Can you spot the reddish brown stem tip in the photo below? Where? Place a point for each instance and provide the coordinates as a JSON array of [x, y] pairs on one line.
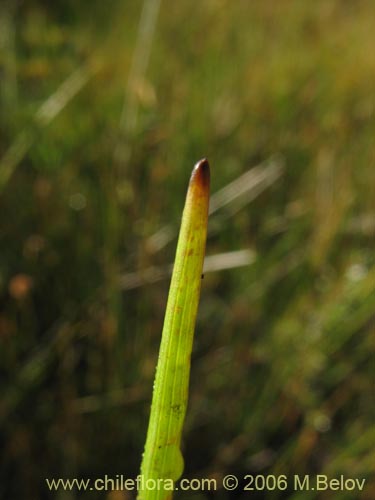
[[201, 175]]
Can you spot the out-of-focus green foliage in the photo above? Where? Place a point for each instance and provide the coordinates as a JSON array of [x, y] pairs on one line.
[[102, 115]]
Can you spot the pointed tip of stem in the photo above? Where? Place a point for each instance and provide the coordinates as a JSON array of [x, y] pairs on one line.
[[201, 174]]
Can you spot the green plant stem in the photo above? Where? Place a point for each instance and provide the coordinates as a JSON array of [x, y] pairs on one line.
[[162, 459]]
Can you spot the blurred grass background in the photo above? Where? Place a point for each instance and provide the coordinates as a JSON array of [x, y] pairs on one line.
[[105, 107]]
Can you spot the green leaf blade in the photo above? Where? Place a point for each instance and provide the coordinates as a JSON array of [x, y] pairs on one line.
[[162, 458]]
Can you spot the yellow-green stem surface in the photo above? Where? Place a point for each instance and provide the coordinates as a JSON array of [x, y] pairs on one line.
[[162, 458]]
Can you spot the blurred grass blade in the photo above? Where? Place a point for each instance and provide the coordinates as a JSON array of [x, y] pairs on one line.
[[162, 458], [212, 263], [139, 63], [235, 195], [46, 113], [249, 185]]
